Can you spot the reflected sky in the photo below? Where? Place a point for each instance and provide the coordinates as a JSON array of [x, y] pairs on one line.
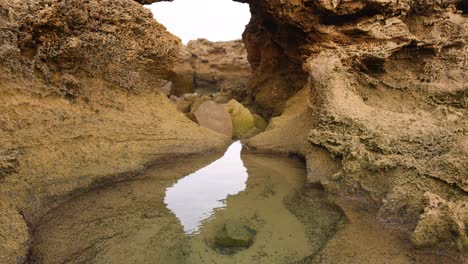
[[194, 198]]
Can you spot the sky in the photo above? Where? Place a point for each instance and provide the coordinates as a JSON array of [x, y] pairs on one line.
[[215, 20]]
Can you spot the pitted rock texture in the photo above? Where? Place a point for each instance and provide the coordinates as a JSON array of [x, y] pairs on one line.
[[80, 105], [385, 94], [207, 67]]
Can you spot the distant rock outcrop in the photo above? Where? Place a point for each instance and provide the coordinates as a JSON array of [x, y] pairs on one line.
[[207, 67]]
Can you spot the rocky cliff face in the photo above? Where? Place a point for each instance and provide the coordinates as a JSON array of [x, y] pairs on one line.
[[383, 92], [80, 105], [207, 67], [373, 93]]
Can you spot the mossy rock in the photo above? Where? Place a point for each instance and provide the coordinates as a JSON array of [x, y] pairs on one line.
[[234, 235], [260, 123], [243, 122]]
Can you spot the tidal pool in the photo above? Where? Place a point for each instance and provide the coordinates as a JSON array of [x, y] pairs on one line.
[[194, 198], [176, 211]]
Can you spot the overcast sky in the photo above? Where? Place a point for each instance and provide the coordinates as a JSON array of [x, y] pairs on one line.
[[215, 20]]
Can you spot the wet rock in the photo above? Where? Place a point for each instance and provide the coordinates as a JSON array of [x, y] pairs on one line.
[[243, 122], [234, 235], [215, 117]]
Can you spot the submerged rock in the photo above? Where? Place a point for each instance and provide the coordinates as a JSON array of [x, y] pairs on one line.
[[234, 235]]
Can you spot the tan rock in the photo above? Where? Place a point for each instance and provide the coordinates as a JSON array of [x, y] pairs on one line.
[[383, 92], [80, 106], [166, 88], [439, 221], [215, 117], [207, 67], [182, 75]]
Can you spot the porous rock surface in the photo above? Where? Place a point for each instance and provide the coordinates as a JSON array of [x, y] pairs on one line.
[[80, 105], [374, 89], [377, 90]]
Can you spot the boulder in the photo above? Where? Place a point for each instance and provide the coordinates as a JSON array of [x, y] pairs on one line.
[[215, 117], [243, 122]]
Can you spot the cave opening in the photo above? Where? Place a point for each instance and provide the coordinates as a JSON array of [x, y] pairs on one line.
[[215, 20]]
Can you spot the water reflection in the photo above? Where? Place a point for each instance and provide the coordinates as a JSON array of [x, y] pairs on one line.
[[194, 198]]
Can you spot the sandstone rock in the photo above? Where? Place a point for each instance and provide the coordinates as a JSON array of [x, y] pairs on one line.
[[14, 234], [382, 79], [260, 123], [215, 117], [182, 75], [152, 214], [209, 67], [175, 98], [166, 88], [80, 107], [234, 235], [243, 122], [439, 221]]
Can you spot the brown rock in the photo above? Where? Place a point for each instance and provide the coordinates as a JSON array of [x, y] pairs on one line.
[[166, 88], [382, 88], [182, 75], [442, 218], [207, 67], [215, 117], [79, 105]]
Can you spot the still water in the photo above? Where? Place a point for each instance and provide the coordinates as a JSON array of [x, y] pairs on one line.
[[177, 211], [194, 198]]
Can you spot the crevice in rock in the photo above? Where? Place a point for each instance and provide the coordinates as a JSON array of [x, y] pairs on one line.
[[336, 19]]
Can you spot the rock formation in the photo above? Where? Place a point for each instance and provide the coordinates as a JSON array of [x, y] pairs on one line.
[[80, 105], [215, 117], [207, 67], [373, 93], [383, 92]]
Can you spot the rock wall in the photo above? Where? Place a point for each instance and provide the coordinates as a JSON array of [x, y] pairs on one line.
[[382, 109], [207, 67], [373, 93], [80, 105]]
